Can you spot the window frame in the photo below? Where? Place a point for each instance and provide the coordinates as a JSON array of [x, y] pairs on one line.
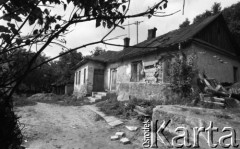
[[136, 71]]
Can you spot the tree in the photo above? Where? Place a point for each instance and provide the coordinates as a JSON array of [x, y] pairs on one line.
[[232, 17], [66, 65], [185, 23], [201, 17], [47, 28], [216, 8], [97, 51]]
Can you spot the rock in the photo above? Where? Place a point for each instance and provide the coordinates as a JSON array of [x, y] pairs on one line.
[[115, 123], [132, 128], [113, 138], [125, 141], [120, 134], [123, 96]]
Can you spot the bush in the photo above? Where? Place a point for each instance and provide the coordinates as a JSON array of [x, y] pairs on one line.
[[23, 101], [125, 109], [182, 73]]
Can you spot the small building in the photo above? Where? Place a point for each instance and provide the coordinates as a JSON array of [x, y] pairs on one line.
[[62, 88], [132, 70]]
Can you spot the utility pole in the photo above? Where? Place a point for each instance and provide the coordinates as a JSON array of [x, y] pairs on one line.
[[135, 23]]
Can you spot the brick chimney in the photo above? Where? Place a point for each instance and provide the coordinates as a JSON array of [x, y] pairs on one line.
[[152, 33], [126, 42]]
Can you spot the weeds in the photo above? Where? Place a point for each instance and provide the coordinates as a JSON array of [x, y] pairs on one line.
[[125, 109], [223, 116], [23, 101]]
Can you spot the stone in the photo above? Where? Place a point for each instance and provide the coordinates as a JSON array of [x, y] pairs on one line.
[[125, 141], [113, 138], [120, 134], [132, 128], [123, 96], [115, 123]]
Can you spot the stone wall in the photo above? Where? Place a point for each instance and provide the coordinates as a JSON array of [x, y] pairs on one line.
[[145, 91], [148, 88]]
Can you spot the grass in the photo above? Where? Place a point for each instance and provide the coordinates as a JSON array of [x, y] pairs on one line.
[[125, 109], [22, 101], [64, 100], [114, 107], [223, 116]]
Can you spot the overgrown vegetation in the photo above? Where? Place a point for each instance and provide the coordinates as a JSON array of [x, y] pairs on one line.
[[125, 109], [20, 101], [182, 73], [44, 28]]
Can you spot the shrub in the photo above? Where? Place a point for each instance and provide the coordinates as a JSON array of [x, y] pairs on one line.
[[181, 74], [23, 101], [125, 109]]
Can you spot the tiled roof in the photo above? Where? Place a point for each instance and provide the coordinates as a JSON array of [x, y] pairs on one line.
[[159, 43], [166, 40], [105, 56]]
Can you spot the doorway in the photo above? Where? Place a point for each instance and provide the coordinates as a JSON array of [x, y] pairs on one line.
[[98, 80], [113, 79]]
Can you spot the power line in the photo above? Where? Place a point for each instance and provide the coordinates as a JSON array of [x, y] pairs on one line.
[[135, 23]]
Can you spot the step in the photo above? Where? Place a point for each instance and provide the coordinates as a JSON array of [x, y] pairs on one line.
[[93, 99], [98, 96], [99, 93]]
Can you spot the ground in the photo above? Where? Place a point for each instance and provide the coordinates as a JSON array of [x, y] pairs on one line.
[[51, 126]]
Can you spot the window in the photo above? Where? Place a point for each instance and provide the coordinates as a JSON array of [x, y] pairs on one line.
[[235, 71], [84, 77], [79, 77], [136, 74]]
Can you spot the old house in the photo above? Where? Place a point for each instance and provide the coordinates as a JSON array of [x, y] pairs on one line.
[[132, 71]]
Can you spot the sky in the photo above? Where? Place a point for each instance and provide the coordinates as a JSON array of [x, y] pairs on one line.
[[87, 32]]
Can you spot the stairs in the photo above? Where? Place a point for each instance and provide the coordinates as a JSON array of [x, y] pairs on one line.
[[96, 96]]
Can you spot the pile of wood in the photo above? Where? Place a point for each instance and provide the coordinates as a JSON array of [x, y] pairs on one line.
[[214, 93]]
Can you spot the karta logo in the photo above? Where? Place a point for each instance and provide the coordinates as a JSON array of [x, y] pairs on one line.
[[152, 134]]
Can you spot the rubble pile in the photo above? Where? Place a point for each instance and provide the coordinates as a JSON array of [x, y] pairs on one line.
[[214, 93]]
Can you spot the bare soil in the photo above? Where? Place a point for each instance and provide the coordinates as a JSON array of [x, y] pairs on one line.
[[51, 126]]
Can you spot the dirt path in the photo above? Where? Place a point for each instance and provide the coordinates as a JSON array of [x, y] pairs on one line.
[[49, 126]]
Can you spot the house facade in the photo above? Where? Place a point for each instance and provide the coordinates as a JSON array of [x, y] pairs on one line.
[[141, 70]]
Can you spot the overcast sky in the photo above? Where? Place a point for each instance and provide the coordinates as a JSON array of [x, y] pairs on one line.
[[86, 32]]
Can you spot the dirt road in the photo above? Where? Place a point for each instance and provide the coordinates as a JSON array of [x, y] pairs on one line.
[[49, 126]]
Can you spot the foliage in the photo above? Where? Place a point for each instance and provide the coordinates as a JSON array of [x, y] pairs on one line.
[[65, 67], [125, 109], [23, 101], [232, 17], [216, 8], [45, 28], [182, 72], [116, 108], [97, 51], [185, 23], [201, 17]]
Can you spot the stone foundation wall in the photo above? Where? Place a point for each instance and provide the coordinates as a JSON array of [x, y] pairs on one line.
[[144, 90]]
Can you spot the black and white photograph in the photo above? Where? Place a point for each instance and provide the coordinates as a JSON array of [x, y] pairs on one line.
[[119, 74]]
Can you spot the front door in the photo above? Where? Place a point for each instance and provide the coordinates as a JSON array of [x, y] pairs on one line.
[[98, 80], [113, 79]]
